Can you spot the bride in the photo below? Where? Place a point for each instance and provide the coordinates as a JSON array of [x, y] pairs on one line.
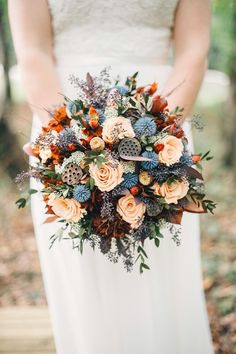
[[97, 307]]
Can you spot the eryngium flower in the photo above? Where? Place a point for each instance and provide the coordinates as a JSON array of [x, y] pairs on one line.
[[149, 165], [122, 89], [81, 193], [145, 126], [66, 137], [130, 180]]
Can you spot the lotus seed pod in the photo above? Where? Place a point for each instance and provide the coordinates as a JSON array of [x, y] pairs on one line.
[[129, 147], [72, 174]]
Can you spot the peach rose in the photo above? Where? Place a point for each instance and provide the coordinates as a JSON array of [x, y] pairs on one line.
[[117, 128], [173, 192], [68, 209], [172, 151], [108, 176], [131, 211]]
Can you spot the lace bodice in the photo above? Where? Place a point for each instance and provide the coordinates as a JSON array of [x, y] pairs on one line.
[[121, 30]]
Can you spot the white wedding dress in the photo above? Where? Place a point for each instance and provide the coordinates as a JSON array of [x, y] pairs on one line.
[[96, 307]]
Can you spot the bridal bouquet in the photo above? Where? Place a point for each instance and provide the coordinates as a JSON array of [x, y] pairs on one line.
[[115, 168]]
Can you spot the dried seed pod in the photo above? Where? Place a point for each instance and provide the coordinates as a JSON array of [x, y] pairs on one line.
[[129, 147], [72, 174]]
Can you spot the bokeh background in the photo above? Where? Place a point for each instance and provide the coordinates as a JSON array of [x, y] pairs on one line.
[[20, 279]]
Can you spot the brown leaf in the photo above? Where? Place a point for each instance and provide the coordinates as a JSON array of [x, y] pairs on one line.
[[176, 217], [89, 80], [191, 172], [192, 207]]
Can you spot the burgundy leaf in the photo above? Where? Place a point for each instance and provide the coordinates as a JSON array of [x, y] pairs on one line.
[[191, 172]]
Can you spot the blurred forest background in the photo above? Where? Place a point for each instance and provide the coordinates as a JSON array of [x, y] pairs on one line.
[[20, 278]]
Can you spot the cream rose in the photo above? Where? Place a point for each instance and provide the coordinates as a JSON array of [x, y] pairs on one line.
[[97, 143], [117, 128], [131, 210], [173, 192], [45, 154], [68, 209], [108, 176], [172, 151]]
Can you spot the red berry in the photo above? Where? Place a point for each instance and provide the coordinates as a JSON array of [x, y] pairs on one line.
[[158, 148], [71, 147], [135, 190]]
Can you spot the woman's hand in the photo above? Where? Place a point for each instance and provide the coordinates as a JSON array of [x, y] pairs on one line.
[[191, 43], [32, 35]]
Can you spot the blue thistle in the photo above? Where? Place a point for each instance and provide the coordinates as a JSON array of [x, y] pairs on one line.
[[149, 165], [130, 180], [66, 137], [186, 159], [145, 126], [121, 89], [101, 115], [81, 193]]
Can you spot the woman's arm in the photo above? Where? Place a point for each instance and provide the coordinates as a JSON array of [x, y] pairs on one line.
[[191, 44], [32, 35]]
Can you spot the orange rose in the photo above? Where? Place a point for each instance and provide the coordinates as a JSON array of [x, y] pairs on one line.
[[68, 209], [172, 150], [131, 210], [172, 192], [106, 177]]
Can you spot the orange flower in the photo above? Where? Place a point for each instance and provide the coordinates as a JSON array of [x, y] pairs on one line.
[[173, 191], [35, 150], [196, 158], [53, 125], [151, 89], [93, 117], [131, 210], [159, 104], [60, 114], [68, 209]]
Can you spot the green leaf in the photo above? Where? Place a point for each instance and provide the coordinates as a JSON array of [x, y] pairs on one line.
[[141, 268], [91, 183], [140, 249], [81, 246], [65, 193], [157, 242], [32, 191], [21, 203], [143, 265], [50, 174]]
